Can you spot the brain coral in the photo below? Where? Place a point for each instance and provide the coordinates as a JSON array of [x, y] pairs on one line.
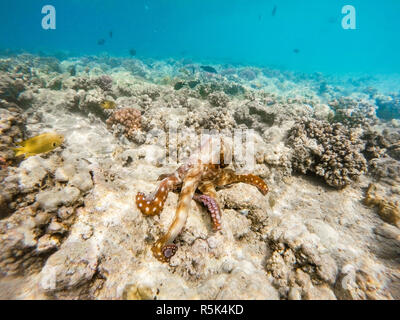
[[329, 150]]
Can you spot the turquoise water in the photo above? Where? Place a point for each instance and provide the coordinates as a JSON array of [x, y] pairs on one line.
[[296, 35]]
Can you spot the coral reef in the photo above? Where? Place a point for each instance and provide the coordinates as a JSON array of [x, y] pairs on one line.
[[69, 224], [328, 150]]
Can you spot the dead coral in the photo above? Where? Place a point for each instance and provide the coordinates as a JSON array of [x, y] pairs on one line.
[[12, 127], [383, 154], [389, 106], [353, 112], [104, 82], [128, 118], [44, 197], [329, 150], [10, 87], [388, 209], [376, 145], [218, 99], [388, 140], [214, 119]]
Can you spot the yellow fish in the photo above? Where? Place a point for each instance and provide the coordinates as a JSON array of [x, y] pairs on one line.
[[40, 144], [107, 104]]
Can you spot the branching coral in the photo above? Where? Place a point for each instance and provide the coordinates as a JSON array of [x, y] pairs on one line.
[[128, 118], [214, 119], [329, 150], [354, 112]]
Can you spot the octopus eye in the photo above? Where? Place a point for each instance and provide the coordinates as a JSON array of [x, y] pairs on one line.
[[169, 250]]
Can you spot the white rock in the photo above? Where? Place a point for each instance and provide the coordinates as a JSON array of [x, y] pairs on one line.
[[51, 200]]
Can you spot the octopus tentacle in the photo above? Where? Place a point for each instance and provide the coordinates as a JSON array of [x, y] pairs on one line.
[[228, 177], [164, 248], [212, 206], [154, 204], [209, 199], [207, 187]]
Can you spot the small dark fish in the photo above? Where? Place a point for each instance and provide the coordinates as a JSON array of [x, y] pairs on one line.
[[132, 52], [110, 34], [208, 69], [101, 42], [259, 17], [274, 10], [193, 83], [296, 50], [179, 85]]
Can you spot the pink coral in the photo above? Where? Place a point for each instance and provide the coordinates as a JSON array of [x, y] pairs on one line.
[[129, 118]]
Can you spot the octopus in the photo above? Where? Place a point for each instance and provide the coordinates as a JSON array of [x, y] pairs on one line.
[[197, 179]]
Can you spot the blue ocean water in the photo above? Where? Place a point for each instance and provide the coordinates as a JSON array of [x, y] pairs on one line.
[[289, 34]]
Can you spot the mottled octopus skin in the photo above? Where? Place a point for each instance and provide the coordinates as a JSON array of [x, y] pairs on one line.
[[197, 174], [212, 206]]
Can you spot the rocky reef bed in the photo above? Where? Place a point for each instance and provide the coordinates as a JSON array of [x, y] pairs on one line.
[[69, 225]]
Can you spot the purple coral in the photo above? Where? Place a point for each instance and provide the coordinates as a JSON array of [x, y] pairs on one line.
[[129, 118]]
